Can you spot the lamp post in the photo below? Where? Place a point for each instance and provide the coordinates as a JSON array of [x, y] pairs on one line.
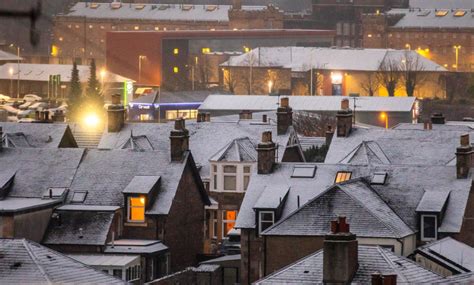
[[10, 71], [140, 58], [270, 85], [384, 116], [457, 48], [408, 46], [18, 63]]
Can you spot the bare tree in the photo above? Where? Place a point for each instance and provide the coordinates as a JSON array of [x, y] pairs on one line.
[[312, 124], [412, 72], [247, 78], [370, 84], [388, 75]]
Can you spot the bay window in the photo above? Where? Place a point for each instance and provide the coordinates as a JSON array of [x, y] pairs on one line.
[[230, 178], [246, 177]]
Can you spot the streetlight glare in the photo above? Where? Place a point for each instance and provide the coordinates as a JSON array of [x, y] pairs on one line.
[[91, 120]]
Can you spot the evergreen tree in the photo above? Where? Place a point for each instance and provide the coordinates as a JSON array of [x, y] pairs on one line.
[[95, 100], [75, 93]]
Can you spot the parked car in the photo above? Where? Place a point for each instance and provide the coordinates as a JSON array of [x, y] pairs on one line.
[[4, 99], [31, 98], [25, 105], [26, 114], [231, 243], [37, 105]]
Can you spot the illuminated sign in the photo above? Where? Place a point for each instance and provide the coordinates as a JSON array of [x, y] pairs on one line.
[[127, 91]]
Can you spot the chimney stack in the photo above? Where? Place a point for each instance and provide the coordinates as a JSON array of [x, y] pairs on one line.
[[438, 119], [384, 279], [463, 157], [340, 258], [200, 117], [58, 116], [207, 117], [115, 115], [344, 119], [179, 140], [329, 135], [284, 116], [237, 4], [266, 151]]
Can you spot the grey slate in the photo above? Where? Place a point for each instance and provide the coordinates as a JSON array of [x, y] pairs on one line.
[[79, 227], [309, 270], [26, 262], [34, 134], [238, 150], [367, 213], [141, 184]]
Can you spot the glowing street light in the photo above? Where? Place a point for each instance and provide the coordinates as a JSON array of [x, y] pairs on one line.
[[91, 120], [140, 58], [384, 116], [457, 48], [408, 46], [270, 85], [103, 73]]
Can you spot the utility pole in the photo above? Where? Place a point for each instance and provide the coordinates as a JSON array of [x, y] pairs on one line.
[[18, 81]]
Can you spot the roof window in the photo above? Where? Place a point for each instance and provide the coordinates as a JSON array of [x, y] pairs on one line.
[[186, 7], [79, 196], [304, 171], [379, 178], [139, 6], [55, 193], [459, 13], [441, 13], [342, 176], [424, 13], [210, 8], [94, 5]]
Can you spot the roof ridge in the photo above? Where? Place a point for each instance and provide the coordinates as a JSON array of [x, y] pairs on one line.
[[35, 260], [372, 213]]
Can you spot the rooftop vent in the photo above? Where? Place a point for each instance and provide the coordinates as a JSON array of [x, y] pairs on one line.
[[163, 7], [423, 13], [55, 193]]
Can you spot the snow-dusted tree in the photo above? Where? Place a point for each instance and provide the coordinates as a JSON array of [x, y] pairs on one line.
[[370, 84], [388, 75], [412, 72]]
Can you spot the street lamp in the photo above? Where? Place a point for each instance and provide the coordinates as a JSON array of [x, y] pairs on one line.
[[140, 58], [10, 71], [103, 73], [457, 48], [270, 85], [384, 116], [408, 46]]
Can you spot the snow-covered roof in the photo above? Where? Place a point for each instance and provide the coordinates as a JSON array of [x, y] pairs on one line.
[[206, 138], [34, 135], [450, 252], [6, 56], [106, 259], [156, 12], [26, 262], [442, 4], [41, 72], [135, 246], [142, 184], [11, 205], [238, 150], [306, 103], [367, 213], [301, 59], [309, 269], [431, 18], [402, 192]]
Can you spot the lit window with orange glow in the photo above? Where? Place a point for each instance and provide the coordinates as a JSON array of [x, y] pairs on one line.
[[342, 176], [205, 50], [54, 50], [136, 209], [228, 221], [176, 51], [175, 69]]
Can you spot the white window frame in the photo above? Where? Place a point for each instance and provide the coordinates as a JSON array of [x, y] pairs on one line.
[[230, 174], [224, 221], [217, 176], [260, 214], [422, 228], [129, 207]]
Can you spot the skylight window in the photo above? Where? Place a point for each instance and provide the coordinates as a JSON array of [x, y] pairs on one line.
[[210, 8], [94, 5], [441, 13], [459, 13], [423, 13], [342, 176], [139, 7], [79, 196], [163, 7], [186, 7], [304, 171], [379, 178]]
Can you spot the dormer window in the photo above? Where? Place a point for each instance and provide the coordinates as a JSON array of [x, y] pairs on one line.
[[342, 176], [136, 209], [429, 227], [266, 219]]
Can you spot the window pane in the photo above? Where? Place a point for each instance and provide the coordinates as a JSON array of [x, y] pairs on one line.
[[215, 182], [214, 168], [265, 225], [246, 169], [343, 176], [136, 209], [429, 227], [246, 182], [230, 169], [266, 217], [230, 182], [139, 201], [118, 273], [137, 214]]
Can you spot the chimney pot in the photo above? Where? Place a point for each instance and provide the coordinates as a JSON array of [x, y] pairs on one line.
[[116, 99], [390, 279], [464, 160], [285, 102], [464, 140], [284, 116], [267, 137], [377, 279], [345, 104], [207, 117], [329, 135], [334, 227], [179, 124], [344, 119], [179, 140], [115, 116]]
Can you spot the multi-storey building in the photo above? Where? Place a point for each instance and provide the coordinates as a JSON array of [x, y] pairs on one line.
[[80, 34], [445, 36]]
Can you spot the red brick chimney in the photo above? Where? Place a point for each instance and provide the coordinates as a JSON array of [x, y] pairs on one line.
[[284, 116], [344, 119], [237, 4], [179, 140], [340, 257], [115, 115], [384, 279], [266, 151], [463, 157]]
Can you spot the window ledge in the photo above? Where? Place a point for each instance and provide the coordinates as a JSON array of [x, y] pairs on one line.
[[138, 224]]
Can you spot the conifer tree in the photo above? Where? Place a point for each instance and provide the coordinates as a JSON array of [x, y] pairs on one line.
[[75, 93]]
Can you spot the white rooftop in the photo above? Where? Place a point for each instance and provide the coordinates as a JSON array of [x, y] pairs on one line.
[[41, 72], [6, 56], [442, 4], [306, 103], [301, 59], [164, 12], [435, 18], [106, 259]]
